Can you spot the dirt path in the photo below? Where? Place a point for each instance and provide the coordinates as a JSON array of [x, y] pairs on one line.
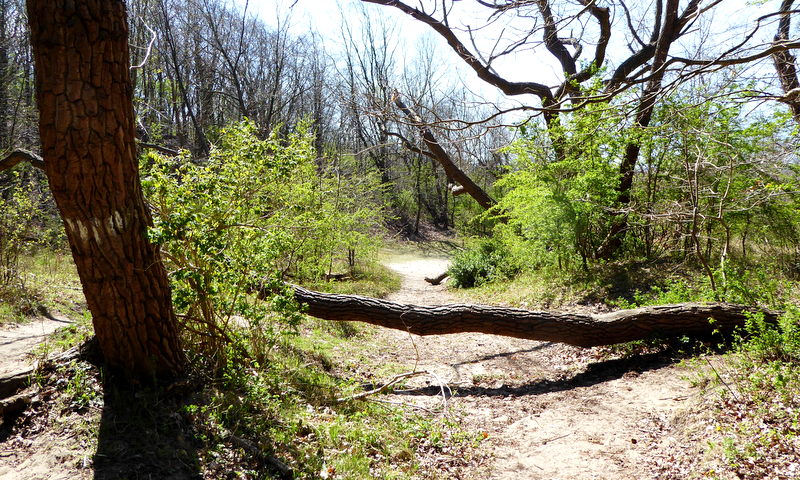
[[17, 341], [550, 411]]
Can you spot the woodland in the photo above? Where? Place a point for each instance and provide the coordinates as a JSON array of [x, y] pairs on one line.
[[210, 198]]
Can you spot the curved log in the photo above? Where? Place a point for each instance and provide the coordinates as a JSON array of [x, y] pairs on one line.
[[15, 157], [437, 279], [577, 329]]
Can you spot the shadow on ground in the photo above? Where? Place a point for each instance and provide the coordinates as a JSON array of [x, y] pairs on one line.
[[594, 374], [144, 436]]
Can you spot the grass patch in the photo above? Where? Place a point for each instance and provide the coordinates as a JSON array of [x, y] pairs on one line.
[[539, 289], [288, 408], [47, 281], [373, 281]]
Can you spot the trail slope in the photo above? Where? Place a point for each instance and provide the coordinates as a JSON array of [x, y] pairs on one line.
[[17, 341], [549, 411]]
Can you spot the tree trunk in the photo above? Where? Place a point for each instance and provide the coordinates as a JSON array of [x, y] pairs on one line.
[[87, 132], [670, 31], [571, 328], [785, 62], [5, 141]]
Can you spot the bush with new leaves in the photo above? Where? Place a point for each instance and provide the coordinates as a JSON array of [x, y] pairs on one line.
[[256, 211]]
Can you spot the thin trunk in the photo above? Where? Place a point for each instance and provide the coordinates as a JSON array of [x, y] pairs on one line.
[[5, 141], [670, 31], [443, 158], [785, 62]]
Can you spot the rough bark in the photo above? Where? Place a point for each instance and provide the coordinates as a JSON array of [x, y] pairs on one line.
[[582, 330], [87, 133], [785, 62]]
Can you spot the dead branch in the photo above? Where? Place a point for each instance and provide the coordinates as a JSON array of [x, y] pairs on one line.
[[15, 157]]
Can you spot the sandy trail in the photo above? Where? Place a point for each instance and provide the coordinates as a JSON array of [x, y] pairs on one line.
[[18, 341], [549, 413]]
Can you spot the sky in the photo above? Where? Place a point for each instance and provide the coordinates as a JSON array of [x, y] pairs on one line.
[[325, 17]]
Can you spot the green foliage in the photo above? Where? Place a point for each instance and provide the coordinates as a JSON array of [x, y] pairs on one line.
[[17, 214], [712, 186], [759, 407], [256, 213], [26, 224], [765, 342], [714, 179], [483, 261], [556, 204]]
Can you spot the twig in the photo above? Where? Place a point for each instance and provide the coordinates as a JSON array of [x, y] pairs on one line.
[[402, 404], [442, 386], [149, 47], [159, 148], [557, 437], [721, 380], [394, 381], [250, 447]]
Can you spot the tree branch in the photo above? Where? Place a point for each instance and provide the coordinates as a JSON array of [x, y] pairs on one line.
[[443, 158], [483, 71], [12, 159]]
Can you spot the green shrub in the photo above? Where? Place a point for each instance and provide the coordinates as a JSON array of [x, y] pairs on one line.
[[257, 211], [483, 262], [766, 342]]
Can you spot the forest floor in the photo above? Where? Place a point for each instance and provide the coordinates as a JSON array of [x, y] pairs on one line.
[[547, 411], [41, 455], [544, 410]]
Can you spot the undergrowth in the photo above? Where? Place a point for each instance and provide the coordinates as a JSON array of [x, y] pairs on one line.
[[288, 409], [757, 410], [274, 404]]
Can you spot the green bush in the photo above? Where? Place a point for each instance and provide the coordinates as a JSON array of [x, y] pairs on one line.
[[483, 262], [766, 342], [257, 211]]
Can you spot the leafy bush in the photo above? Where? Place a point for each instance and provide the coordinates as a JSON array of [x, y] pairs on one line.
[[27, 222], [483, 262], [257, 212], [766, 342], [17, 213], [557, 204]]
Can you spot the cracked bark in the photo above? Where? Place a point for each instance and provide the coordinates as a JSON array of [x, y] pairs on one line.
[[87, 132], [583, 330]]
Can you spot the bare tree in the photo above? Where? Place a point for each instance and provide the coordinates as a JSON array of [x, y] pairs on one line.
[[655, 62]]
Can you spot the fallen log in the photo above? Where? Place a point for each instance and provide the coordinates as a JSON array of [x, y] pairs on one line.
[[437, 279], [583, 330]]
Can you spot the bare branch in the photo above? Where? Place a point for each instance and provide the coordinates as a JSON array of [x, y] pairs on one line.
[[15, 157]]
